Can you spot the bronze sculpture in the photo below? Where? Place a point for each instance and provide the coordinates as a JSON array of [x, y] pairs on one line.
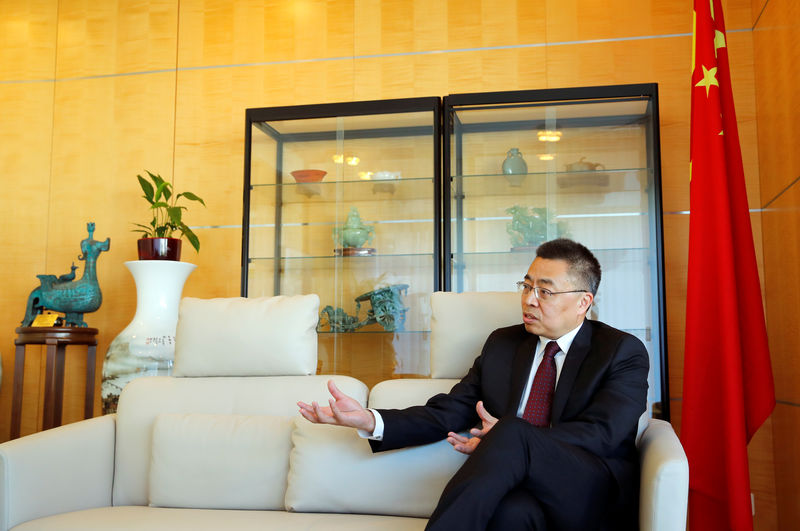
[[66, 295]]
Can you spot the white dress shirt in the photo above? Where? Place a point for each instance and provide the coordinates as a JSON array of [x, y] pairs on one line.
[[564, 343]]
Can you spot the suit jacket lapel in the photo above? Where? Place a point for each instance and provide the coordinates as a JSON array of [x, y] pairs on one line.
[[577, 353], [520, 370]]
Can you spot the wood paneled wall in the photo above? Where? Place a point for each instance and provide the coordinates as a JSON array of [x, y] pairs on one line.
[[777, 53], [92, 93]]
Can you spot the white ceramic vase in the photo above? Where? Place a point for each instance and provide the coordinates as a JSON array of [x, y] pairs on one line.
[[146, 347]]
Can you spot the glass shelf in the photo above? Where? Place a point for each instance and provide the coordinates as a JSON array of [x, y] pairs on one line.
[[346, 191], [345, 258], [550, 172], [491, 256], [562, 182]]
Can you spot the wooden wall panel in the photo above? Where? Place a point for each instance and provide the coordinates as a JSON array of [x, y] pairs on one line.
[[762, 477], [676, 258], [218, 272], [115, 36], [786, 430], [738, 14], [756, 8], [582, 20], [220, 32], [777, 51], [782, 272], [27, 39], [27, 63], [128, 122], [26, 114], [451, 73], [404, 26]]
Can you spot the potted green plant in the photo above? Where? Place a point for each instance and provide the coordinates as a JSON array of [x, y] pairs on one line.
[[528, 228], [157, 242]]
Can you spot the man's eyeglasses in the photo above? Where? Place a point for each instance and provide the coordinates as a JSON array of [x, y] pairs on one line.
[[542, 294]]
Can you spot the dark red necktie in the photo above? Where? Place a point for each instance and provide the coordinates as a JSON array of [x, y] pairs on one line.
[[537, 410]]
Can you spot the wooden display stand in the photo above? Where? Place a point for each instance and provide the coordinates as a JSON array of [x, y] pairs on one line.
[[56, 339]]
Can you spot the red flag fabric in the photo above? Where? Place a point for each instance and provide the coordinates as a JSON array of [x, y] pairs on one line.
[[728, 390]]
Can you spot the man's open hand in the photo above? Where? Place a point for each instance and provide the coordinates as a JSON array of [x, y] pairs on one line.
[[466, 445], [341, 411]]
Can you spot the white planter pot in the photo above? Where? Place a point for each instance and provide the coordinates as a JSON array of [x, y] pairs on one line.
[[146, 347]]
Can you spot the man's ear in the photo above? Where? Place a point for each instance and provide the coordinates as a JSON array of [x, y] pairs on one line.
[[585, 302]]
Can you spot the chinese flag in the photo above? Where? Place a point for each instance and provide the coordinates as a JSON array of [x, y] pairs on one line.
[[727, 378]]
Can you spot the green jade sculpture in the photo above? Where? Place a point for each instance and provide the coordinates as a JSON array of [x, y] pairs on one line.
[[387, 309], [67, 295], [528, 227], [353, 234]]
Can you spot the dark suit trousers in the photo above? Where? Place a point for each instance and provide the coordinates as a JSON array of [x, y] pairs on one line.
[[519, 478]]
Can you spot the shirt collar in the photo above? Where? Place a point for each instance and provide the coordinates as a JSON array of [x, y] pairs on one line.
[[564, 342]]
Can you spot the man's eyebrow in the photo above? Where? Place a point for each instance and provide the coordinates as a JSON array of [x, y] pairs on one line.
[[545, 281]]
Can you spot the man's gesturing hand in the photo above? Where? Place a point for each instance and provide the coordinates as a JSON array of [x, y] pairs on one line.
[[466, 445], [342, 411]]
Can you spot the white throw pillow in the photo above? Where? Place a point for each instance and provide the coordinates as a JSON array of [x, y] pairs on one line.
[[266, 336], [332, 469], [219, 461], [460, 324]]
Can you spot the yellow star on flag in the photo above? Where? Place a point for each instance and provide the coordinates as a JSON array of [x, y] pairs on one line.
[[709, 78], [719, 41]]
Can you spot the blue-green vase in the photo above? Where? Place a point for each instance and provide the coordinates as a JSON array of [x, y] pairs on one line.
[[514, 163]]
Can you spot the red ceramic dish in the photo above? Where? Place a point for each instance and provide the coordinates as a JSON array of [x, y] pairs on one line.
[[308, 176]]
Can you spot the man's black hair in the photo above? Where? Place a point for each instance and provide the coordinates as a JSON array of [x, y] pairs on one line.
[[583, 266]]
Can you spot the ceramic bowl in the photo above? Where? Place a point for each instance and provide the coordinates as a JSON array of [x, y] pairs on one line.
[[386, 175], [308, 176]]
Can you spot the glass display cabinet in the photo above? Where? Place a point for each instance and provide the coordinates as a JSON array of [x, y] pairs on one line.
[[343, 200], [524, 167], [347, 200]]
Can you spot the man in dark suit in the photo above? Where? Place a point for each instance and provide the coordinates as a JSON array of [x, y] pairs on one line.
[[556, 399]]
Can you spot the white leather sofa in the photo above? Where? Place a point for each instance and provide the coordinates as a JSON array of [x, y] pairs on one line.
[[220, 445]]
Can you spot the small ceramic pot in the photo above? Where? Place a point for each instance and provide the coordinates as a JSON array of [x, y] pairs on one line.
[[514, 163], [583, 165], [160, 249]]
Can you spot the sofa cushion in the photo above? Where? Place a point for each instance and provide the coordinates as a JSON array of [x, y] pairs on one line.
[[138, 518], [332, 469], [267, 336], [460, 324], [403, 393], [143, 399], [219, 461]]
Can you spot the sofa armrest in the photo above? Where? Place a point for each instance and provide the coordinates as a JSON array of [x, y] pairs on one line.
[[664, 490], [55, 471]]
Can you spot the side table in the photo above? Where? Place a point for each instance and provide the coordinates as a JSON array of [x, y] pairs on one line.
[[56, 339]]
